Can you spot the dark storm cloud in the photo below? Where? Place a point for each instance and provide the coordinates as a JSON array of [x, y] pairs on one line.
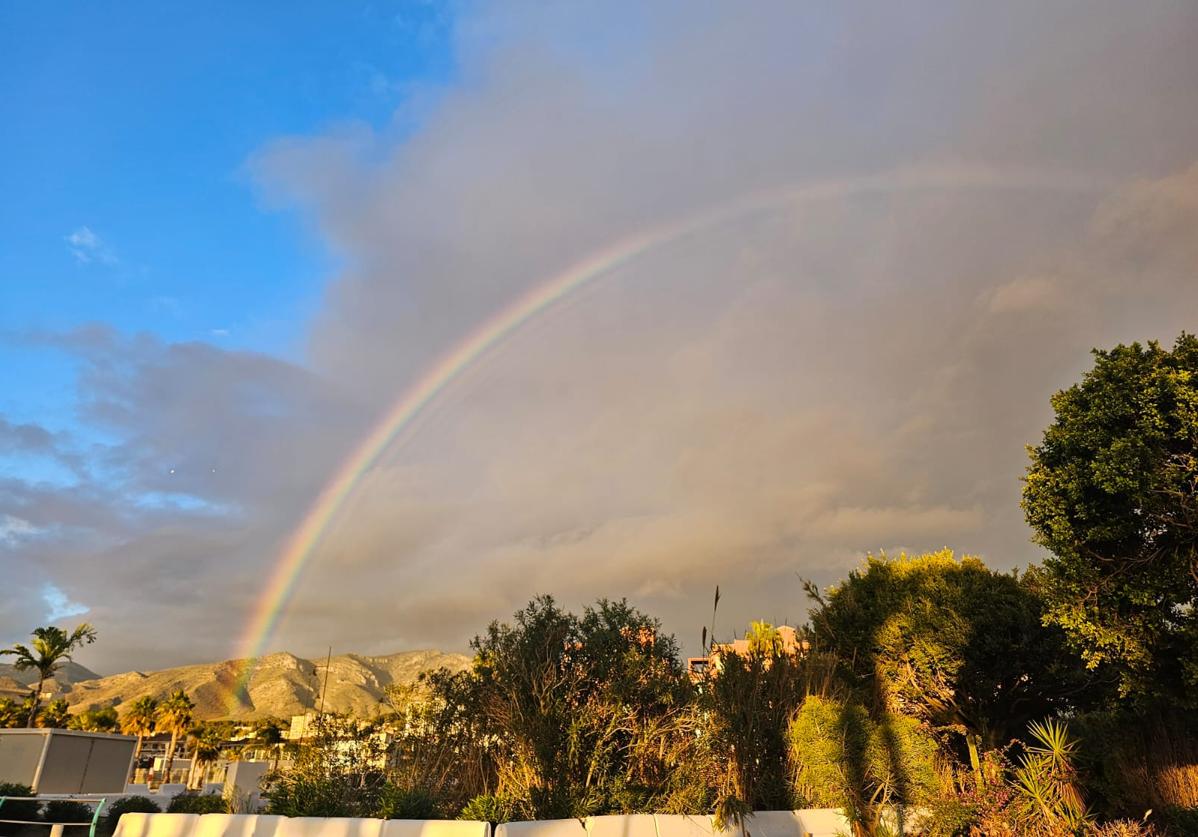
[[770, 396]]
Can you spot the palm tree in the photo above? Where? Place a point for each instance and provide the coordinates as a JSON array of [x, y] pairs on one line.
[[51, 648], [140, 720], [205, 747], [174, 716], [269, 735], [10, 713]]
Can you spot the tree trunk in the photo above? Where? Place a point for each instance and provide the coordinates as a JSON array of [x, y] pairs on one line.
[[136, 759], [37, 699], [170, 757]]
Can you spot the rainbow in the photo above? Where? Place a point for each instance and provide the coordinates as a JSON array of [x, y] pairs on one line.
[[300, 546]]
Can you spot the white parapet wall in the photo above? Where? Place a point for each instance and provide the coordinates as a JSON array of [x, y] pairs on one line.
[[826, 822], [258, 825]]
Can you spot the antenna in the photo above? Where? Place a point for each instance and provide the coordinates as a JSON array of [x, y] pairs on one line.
[[324, 689]]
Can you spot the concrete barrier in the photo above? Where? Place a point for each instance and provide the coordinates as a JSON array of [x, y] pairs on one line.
[[236, 825], [156, 825], [436, 828], [542, 828], [622, 825]]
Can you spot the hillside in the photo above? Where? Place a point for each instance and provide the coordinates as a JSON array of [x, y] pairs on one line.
[[281, 685], [15, 683]]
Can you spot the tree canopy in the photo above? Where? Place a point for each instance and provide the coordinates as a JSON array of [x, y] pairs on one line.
[[947, 640], [1112, 493]]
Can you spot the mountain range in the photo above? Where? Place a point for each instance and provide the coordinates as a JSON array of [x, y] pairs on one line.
[[279, 685]]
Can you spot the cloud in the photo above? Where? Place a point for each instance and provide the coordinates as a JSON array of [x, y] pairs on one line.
[[87, 247], [58, 606], [14, 528], [766, 397]]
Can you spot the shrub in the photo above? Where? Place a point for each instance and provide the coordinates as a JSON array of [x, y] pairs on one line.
[[128, 805], [17, 810], [843, 758], [490, 808], [198, 803], [66, 810], [397, 803]]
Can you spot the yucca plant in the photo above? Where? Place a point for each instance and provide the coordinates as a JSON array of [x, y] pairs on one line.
[[1045, 780]]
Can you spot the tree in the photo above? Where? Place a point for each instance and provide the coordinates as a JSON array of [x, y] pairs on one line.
[[96, 720], [205, 741], [174, 716], [55, 715], [268, 733], [950, 642], [579, 705], [51, 648], [745, 704], [141, 719], [842, 757], [1112, 493], [10, 714]]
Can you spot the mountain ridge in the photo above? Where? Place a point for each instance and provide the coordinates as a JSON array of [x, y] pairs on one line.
[[280, 684]]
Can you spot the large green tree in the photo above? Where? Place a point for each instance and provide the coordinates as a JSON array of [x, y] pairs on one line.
[[581, 705], [51, 647], [950, 642], [1112, 493]]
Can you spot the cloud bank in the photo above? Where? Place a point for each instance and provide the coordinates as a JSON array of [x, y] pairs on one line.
[[766, 397]]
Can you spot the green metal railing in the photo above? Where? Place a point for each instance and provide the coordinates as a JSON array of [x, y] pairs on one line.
[[57, 828]]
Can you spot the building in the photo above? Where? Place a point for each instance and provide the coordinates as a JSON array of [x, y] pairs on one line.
[[60, 761], [784, 637]]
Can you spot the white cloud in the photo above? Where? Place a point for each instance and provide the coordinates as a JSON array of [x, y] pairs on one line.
[[13, 528], [86, 246], [58, 606]]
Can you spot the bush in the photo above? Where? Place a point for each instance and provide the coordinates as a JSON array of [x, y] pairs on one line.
[[128, 805], [17, 810], [66, 810], [198, 803], [309, 796], [406, 804], [490, 808]]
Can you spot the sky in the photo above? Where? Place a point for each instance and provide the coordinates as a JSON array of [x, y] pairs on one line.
[[863, 244]]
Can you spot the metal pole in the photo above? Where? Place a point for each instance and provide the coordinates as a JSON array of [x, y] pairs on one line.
[[57, 829]]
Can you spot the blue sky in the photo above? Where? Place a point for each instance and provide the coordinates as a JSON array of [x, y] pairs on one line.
[[126, 199]]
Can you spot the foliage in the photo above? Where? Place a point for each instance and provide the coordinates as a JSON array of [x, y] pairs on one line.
[[174, 715], [54, 715], [198, 803], [490, 808], [205, 741], [130, 805], [948, 641], [441, 741], [580, 707], [1045, 781], [396, 803], [51, 647], [1134, 761], [95, 720], [339, 772], [1112, 493], [745, 705], [11, 715], [843, 758], [17, 810], [140, 719], [67, 810]]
